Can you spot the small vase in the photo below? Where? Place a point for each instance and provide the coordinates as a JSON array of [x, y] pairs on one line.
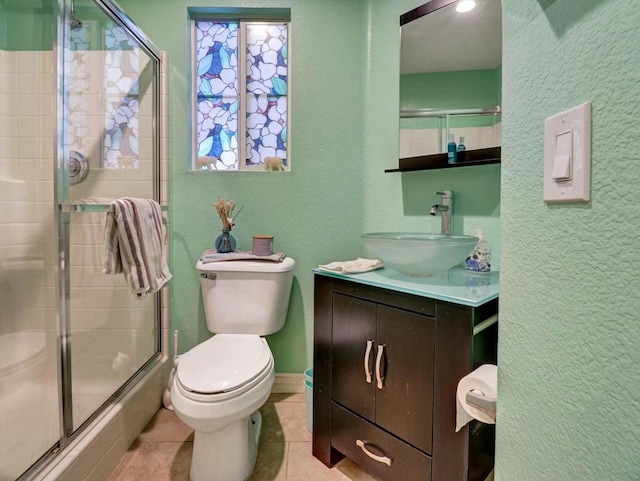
[[225, 242]]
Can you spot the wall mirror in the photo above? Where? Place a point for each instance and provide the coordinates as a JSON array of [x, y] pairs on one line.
[[450, 76]]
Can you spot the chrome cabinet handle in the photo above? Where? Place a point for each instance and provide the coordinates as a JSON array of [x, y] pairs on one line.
[[379, 376], [367, 355], [380, 459]]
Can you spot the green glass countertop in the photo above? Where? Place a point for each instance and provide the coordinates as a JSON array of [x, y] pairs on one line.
[[455, 285]]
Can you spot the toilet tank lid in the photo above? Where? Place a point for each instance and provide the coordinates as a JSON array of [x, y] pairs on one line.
[[287, 264]]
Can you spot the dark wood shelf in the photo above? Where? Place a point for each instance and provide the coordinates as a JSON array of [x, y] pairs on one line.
[[466, 158]]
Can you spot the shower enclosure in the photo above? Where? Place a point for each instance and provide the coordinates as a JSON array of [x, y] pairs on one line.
[[79, 123]]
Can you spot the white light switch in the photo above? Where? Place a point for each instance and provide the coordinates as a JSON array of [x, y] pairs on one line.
[[567, 156], [562, 162], [562, 168]]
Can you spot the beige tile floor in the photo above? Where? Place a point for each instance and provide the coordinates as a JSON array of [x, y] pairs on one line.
[[162, 452]]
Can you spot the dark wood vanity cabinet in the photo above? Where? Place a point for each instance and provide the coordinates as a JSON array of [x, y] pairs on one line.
[[386, 368], [377, 353]]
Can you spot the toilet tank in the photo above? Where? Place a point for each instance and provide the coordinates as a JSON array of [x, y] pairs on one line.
[[246, 296]]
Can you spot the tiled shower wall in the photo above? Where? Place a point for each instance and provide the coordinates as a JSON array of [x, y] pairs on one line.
[[112, 330], [28, 246], [27, 233]]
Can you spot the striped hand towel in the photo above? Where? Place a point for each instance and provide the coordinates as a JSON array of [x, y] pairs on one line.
[[133, 244]]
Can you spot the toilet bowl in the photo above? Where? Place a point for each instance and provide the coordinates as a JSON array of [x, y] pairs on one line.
[[217, 390], [220, 378], [220, 384]]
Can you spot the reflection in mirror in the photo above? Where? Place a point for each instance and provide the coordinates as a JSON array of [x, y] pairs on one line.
[[450, 77]]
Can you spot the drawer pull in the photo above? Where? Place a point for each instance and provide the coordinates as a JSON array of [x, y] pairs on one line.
[[380, 459], [379, 376], [367, 356]]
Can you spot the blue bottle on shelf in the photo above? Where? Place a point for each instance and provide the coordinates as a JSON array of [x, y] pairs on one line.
[[461, 145], [451, 150]]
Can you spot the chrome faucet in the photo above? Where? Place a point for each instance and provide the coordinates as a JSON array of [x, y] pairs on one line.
[[446, 209]]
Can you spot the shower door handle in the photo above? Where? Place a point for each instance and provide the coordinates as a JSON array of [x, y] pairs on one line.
[[67, 208], [70, 207]]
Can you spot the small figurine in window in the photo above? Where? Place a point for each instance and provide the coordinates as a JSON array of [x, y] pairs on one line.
[[273, 164]]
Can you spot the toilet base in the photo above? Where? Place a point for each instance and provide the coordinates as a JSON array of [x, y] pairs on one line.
[[228, 454]]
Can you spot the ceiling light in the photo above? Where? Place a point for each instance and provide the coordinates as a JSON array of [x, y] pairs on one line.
[[464, 6]]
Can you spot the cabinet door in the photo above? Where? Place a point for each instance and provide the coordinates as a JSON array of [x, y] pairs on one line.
[[354, 325], [404, 405]]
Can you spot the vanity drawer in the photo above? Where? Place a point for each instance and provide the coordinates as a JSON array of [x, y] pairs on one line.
[[406, 463]]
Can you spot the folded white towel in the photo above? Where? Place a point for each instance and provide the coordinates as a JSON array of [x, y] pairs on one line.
[[214, 256], [134, 244], [352, 267]]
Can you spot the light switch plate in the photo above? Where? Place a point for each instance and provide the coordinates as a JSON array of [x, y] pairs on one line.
[[578, 188]]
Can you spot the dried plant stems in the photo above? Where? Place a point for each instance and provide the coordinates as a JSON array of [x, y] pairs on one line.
[[224, 209]]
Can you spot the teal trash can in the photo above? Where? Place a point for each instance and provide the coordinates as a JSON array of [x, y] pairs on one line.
[[308, 394]]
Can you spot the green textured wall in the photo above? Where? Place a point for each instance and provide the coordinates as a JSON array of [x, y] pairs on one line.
[[3, 25], [314, 211], [27, 25], [345, 86], [569, 351]]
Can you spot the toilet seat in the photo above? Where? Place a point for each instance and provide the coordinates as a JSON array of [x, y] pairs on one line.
[[223, 367]]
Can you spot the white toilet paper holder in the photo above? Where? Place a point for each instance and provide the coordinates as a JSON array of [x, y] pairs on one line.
[[480, 401]]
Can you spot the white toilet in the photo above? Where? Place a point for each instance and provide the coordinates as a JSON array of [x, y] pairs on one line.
[[220, 384]]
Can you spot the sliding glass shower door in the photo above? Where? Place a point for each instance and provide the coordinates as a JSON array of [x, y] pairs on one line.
[[110, 142]]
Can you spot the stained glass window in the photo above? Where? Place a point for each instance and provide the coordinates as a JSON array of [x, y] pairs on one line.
[[217, 93], [241, 95]]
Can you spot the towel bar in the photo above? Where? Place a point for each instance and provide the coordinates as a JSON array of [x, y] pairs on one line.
[[484, 324], [93, 208]]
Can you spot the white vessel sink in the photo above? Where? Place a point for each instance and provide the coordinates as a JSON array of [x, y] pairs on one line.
[[418, 254]]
